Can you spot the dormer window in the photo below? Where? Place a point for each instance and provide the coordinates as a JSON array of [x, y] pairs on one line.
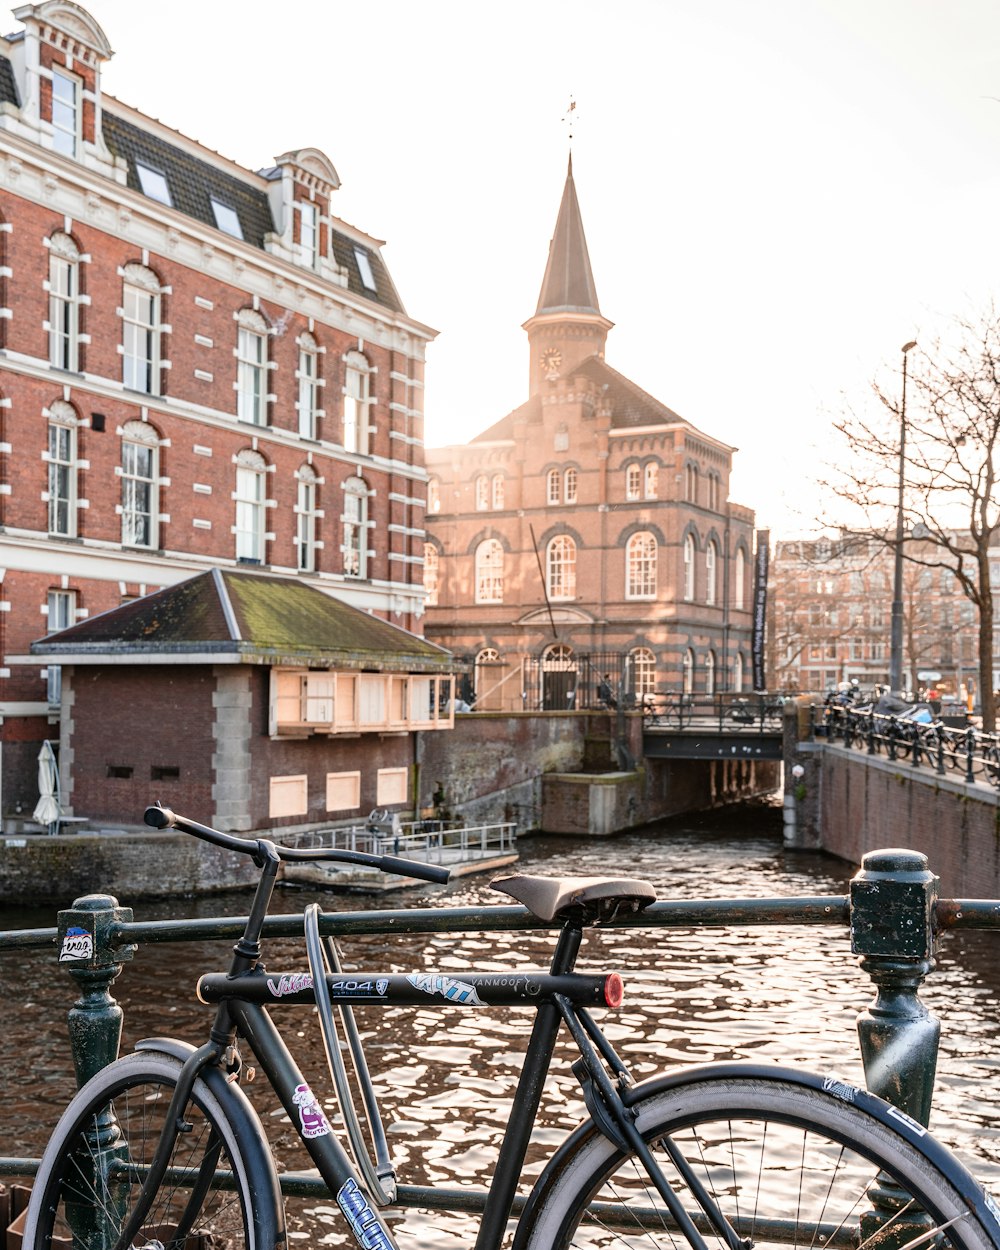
[[308, 234], [154, 184], [226, 219], [365, 269], [65, 112]]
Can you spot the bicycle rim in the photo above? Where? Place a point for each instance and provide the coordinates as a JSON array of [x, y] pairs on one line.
[[786, 1165], [92, 1172]]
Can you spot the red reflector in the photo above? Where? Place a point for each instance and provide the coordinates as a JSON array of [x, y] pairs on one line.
[[614, 990]]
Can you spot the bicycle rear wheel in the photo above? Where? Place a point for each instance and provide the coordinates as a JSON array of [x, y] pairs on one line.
[[92, 1170], [786, 1163]]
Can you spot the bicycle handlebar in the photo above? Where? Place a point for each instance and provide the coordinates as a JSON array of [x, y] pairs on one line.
[[158, 817]]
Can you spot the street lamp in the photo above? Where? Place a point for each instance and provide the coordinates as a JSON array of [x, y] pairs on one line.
[[896, 635]]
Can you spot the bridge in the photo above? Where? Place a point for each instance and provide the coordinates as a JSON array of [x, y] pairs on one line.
[[713, 727]]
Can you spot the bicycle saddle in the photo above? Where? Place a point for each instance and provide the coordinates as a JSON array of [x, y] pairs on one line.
[[559, 898]]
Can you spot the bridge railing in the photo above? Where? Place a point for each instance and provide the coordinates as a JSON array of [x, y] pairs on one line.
[[892, 914], [727, 713], [966, 754]]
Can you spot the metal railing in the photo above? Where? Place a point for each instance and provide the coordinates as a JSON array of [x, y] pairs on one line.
[[966, 754], [727, 713], [433, 841]]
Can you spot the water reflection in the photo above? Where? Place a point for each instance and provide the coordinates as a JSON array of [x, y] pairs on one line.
[[788, 995]]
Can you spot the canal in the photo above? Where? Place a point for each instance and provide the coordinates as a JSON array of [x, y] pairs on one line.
[[789, 995]]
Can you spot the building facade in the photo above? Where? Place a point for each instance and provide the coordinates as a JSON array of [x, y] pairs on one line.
[[590, 529], [201, 367]]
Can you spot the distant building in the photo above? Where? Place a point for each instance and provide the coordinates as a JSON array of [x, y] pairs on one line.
[[589, 524], [200, 367]]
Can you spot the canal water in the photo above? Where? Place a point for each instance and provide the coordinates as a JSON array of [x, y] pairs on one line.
[[784, 994]]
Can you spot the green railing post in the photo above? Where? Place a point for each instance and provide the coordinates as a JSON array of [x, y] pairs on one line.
[[90, 951]]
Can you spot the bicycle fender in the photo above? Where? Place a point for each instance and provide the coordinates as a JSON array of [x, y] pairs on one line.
[[268, 1207]]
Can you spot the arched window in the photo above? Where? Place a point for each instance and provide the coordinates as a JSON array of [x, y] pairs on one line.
[[691, 483], [640, 561], [713, 491], [251, 367], [489, 572], [432, 566], [357, 390], [305, 526], [307, 403], [569, 485], [433, 495], [711, 569], [633, 481], [688, 567], [739, 580], [63, 469], [487, 673], [141, 330], [553, 484], [561, 568], [355, 521], [710, 673], [643, 672], [140, 484], [687, 672], [482, 491], [651, 479], [559, 678], [738, 673], [497, 487], [251, 469], [64, 302]]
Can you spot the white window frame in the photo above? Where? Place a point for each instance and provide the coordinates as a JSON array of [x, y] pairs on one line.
[[140, 485], [689, 563], [482, 492], [739, 580], [570, 483], [307, 403], [153, 183], [497, 491], [308, 245], [355, 529], [687, 672], [560, 568], [250, 498], [643, 672], [226, 218], [365, 269], [640, 563], [251, 368], [64, 303], [357, 392], [432, 575], [305, 521], [710, 667], [711, 572], [141, 330], [633, 482], [62, 471], [61, 606], [66, 112], [651, 480], [489, 571], [553, 486]]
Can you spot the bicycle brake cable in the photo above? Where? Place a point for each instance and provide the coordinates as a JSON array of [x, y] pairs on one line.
[[380, 1176]]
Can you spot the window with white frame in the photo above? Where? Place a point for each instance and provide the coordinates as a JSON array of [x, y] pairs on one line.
[[738, 673], [355, 522], [226, 218], [365, 269], [687, 672], [643, 671], [569, 485], [64, 302], [482, 492], [62, 466], [640, 560], [251, 478], [553, 484], [308, 376], [650, 480], [710, 673], [305, 519], [357, 386], [711, 571], [61, 615], [251, 368], [141, 330], [497, 491], [140, 484], [154, 183], [308, 233], [633, 481], [560, 567], [688, 567], [432, 571], [66, 90], [739, 580], [489, 572], [433, 495]]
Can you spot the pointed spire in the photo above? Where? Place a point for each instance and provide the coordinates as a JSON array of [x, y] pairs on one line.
[[568, 285]]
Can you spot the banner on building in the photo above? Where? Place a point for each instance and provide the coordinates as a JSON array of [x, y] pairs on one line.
[[758, 636]]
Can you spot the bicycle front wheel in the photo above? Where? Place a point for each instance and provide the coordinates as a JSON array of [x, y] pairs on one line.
[[785, 1163], [92, 1170]]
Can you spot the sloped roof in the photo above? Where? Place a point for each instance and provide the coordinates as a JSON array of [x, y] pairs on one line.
[[568, 284], [251, 618]]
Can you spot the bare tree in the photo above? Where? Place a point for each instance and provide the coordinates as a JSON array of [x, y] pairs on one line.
[[949, 472]]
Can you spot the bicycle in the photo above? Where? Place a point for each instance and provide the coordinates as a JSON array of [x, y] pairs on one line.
[[161, 1150]]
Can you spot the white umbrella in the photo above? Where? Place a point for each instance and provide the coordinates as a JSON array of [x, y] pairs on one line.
[[47, 811]]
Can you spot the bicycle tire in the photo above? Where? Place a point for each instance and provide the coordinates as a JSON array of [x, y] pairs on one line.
[[78, 1185], [788, 1164]]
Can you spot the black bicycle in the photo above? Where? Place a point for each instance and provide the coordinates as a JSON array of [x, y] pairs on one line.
[[161, 1150]]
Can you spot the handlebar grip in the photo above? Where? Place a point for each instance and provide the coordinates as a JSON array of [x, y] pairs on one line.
[[158, 817], [410, 868]]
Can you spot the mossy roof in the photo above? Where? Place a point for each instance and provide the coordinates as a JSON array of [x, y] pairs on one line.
[[251, 617]]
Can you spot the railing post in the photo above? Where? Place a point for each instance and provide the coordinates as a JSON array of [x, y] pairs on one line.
[[91, 953]]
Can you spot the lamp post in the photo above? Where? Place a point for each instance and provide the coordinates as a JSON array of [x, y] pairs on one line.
[[896, 635]]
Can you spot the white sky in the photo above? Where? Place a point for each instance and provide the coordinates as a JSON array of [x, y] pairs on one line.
[[777, 194]]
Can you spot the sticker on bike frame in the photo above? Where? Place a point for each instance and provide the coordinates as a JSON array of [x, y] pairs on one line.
[[77, 944], [311, 1118], [840, 1089], [912, 1124], [376, 989], [289, 983], [455, 991], [365, 1224]]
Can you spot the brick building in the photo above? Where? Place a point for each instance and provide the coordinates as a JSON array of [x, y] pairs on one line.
[[590, 524], [201, 367]]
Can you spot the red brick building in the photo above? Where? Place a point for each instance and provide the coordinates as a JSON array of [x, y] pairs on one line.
[[590, 528], [201, 367]]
